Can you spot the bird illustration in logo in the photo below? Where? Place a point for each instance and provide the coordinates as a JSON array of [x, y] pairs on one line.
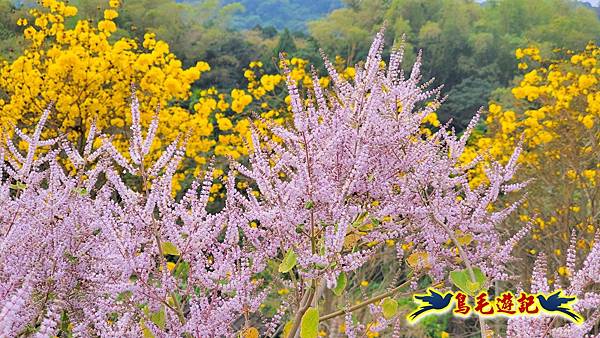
[[554, 304], [433, 301]]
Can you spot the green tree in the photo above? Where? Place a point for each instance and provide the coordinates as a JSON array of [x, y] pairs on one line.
[[11, 41], [286, 43]]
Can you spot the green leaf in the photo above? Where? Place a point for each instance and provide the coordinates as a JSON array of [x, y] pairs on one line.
[[462, 280], [321, 246], [289, 261], [309, 204], [81, 191], [182, 270], [18, 186], [309, 325], [159, 318], [64, 324], [169, 248], [122, 296], [321, 266], [359, 220], [390, 307], [340, 285], [72, 259]]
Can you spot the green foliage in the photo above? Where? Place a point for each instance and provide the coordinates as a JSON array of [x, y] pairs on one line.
[[289, 261], [11, 41], [466, 97], [169, 248], [390, 307], [340, 284], [309, 326], [464, 281], [159, 318], [286, 43], [290, 14]]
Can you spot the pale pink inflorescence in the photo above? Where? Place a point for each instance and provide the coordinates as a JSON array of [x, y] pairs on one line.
[[580, 284], [85, 243]]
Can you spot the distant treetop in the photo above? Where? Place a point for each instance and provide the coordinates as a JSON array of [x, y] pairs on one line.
[[290, 14]]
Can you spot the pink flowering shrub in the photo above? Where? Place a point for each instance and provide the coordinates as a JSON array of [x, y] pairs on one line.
[[105, 250], [581, 283], [88, 249]]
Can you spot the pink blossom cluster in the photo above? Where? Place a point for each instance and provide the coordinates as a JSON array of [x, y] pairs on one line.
[[106, 248], [580, 283], [93, 248]]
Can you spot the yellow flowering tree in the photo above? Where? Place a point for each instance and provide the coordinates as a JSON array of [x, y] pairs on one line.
[[87, 75], [555, 109]]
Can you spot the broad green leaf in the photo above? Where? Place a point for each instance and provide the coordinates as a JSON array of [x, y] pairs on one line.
[[159, 318], [480, 278], [309, 204], [169, 248], [289, 261], [473, 287], [340, 285], [462, 280], [390, 307], [309, 326]]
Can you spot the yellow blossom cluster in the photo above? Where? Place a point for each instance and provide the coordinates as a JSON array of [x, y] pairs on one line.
[[555, 110], [87, 75]]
